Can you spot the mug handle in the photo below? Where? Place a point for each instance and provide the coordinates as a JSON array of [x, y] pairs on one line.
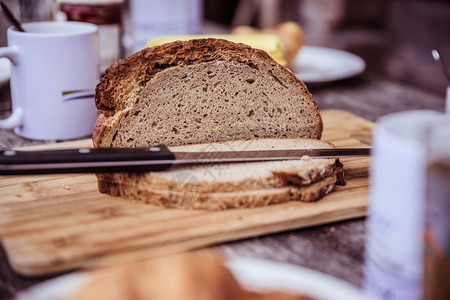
[[16, 118]]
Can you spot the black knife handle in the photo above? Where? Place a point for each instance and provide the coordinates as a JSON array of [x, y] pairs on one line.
[[86, 160]]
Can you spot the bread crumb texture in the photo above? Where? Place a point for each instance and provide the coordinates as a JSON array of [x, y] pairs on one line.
[[200, 91]]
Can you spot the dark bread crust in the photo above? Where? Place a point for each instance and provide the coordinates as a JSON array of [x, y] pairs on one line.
[[124, 81], [107, 185]]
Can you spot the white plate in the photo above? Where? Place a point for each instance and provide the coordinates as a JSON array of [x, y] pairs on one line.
[[253, 274], [260, 275], [320, 65], [5, 70]]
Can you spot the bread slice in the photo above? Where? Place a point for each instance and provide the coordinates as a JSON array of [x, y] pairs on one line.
[[199, 91], [227, 200], [221, 186], [232, 177]]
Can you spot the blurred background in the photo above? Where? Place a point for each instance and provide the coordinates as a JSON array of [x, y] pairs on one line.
[[394, 37]]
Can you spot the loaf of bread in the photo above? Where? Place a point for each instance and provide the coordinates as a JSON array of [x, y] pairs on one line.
[[232, 185], [200, 91], [182, 276]]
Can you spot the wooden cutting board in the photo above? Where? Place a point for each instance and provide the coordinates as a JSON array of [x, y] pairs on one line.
[[54, 223]]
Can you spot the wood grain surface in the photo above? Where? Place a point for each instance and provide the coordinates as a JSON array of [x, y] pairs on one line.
[[52, 223]]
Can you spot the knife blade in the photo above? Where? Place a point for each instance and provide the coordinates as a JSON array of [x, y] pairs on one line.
[[158, 158]]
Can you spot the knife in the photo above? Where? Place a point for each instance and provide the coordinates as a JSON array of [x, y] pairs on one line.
[[158, 158]]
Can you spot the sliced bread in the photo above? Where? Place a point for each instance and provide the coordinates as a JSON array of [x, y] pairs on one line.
[[231, 177], [225, 200], [200, 91], [220, 186]]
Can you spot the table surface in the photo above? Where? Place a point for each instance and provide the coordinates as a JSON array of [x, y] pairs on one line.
[[336, 249]]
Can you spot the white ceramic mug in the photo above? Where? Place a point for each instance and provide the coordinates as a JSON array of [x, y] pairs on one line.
[[54, 71], [394, 245]]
